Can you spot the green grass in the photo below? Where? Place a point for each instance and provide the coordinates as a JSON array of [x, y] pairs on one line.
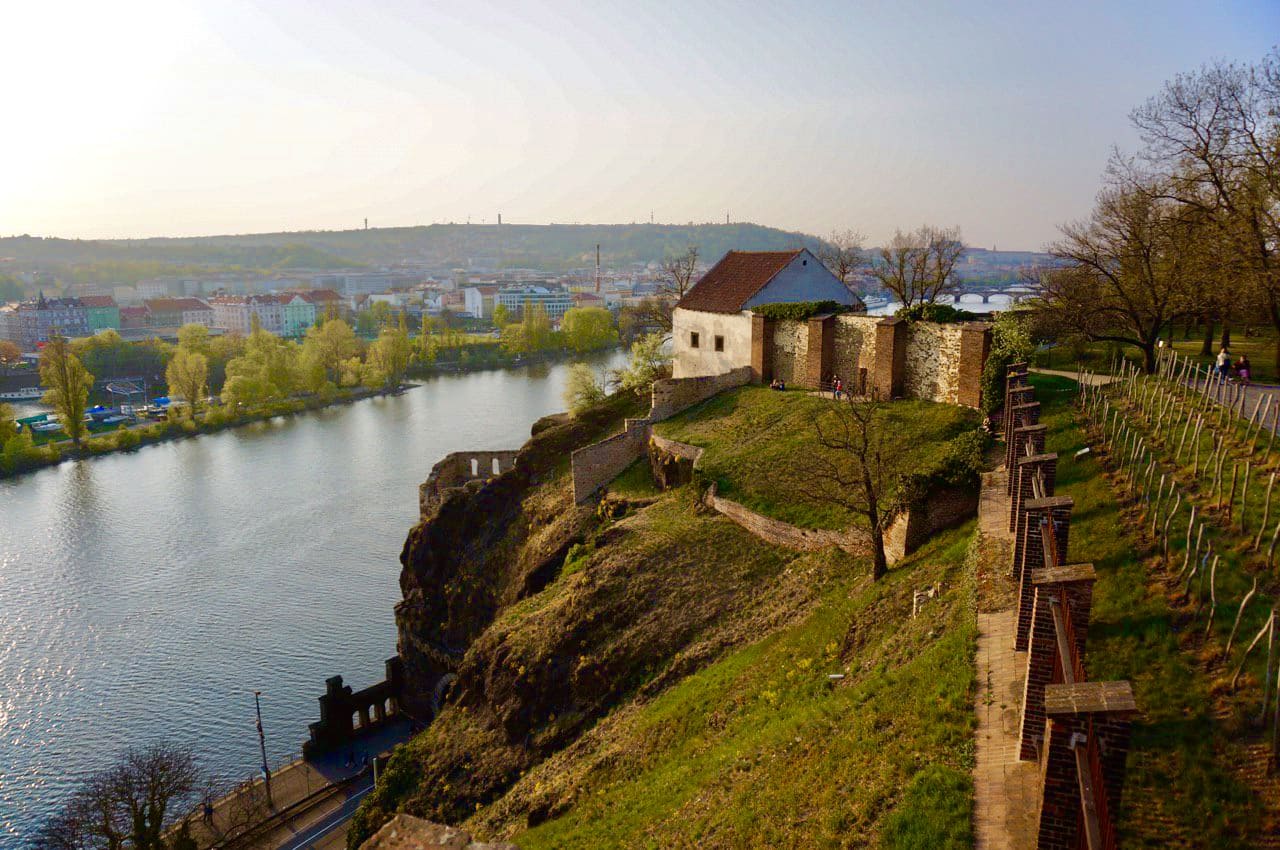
[[761, 447], [635, 482], [760, 750], [1177, 785]]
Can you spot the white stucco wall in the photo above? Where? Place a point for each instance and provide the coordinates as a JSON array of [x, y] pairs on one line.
[[690, 362], [804, 279]]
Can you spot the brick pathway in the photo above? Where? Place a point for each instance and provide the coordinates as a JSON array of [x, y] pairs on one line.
[[1006, 790]]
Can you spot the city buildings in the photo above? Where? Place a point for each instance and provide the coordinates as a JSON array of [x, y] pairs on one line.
[[176, 312], [554, 301], [30, 323], [236, 313], [479, 300], [296, 314], [100, 313]]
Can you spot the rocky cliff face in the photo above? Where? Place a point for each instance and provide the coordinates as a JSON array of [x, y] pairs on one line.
[[484, 546]]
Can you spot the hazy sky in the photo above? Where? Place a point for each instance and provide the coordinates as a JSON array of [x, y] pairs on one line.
[[178, 117]]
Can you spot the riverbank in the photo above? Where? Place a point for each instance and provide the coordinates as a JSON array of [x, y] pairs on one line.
[[39, 455], [31, 457]]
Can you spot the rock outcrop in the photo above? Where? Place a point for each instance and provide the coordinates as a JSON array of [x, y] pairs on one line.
[[404, 832], [483, 546]]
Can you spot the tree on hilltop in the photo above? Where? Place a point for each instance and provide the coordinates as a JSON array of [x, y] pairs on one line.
[[859, 468]]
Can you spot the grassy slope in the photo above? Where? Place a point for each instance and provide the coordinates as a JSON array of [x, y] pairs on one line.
[[727, 731], [1177, 788], [757, 749], [761, 443]]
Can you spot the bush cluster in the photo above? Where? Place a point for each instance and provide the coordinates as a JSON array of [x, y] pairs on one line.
[[941, 313], [799, 310], [960, 468]]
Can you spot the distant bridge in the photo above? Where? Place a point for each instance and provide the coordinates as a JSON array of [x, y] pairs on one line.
[[975, 296]]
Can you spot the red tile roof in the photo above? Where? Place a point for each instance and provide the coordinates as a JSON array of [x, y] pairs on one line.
[[732, 281], [97, 301], [175, 305], [316, 296]]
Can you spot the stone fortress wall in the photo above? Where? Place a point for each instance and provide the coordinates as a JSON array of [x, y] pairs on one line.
[[596, 465], [456, 469], [895, 358]]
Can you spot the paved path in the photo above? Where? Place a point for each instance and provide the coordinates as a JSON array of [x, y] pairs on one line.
[[312, 801], [1090, 379], [1006, 790]]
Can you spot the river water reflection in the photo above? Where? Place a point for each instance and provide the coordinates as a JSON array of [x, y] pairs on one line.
[[144, 597]]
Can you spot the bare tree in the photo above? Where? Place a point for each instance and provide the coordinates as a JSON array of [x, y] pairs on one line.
[[1215, 135], [677, 279], [1131, 268], [917, 267], [842, 254], [128, 805], [859, 468]]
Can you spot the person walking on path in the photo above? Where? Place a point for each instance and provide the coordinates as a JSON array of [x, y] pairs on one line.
[[1243, 369], [1224, 363]]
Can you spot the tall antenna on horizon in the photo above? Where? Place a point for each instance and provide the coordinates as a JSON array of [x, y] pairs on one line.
[[597, 268]]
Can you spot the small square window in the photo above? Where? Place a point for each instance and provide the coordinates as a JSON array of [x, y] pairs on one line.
[[693, 339], [719, 343]]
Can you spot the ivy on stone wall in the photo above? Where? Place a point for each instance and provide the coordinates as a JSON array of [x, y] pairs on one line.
[[799, 310], [940, 313], [1010, 343]]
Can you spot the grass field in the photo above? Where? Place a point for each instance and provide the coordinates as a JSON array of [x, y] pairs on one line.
[[1179, 791], [761, 447]]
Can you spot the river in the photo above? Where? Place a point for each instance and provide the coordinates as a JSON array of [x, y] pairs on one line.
[[145, 596]]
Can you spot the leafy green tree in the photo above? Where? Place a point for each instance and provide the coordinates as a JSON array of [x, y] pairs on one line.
[[69, 384], [267, 370], [188, 377], [649, 362], [588, 329], [381, 313], [366, 323], [582, 389], [389, 355], [501, 316], [330, 346], [195, 338], [8, 427]]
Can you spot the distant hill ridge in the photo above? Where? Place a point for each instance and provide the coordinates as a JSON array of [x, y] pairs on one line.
[[553, 247]]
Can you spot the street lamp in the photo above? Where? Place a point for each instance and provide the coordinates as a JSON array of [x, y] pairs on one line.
[[262, 742]]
